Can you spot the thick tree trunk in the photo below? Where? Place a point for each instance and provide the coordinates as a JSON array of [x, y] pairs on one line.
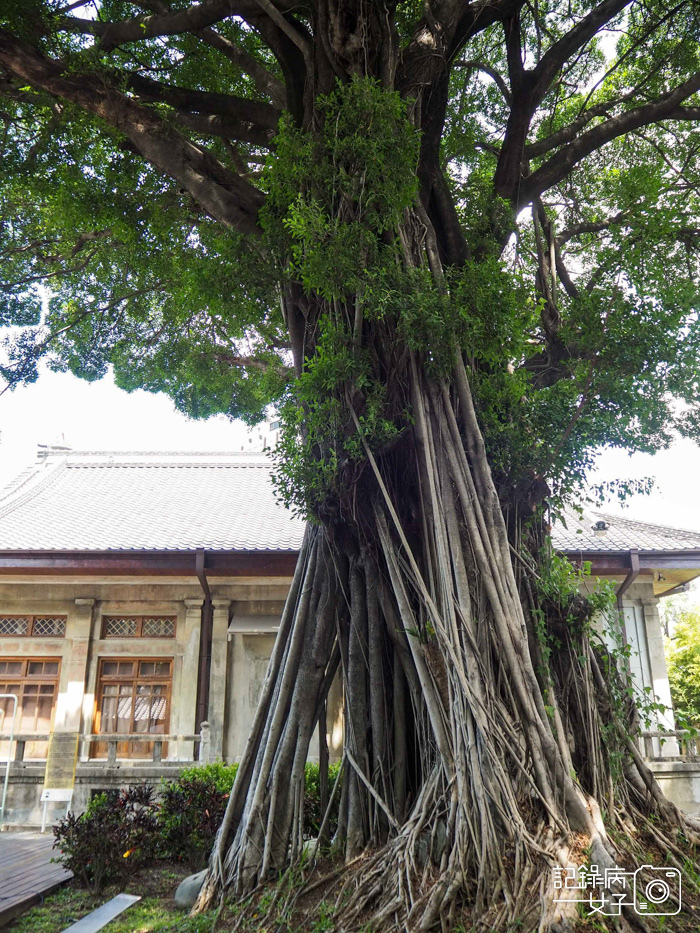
[[473, 758], [460, 760]]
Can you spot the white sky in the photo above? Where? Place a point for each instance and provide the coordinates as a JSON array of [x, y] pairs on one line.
[[99, 416], [61, 408]]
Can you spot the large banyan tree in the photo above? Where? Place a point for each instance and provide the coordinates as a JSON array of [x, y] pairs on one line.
[[456, 244]]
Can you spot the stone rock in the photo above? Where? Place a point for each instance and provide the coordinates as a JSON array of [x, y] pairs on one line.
[[309, 846], [188, 890], [423, 849]]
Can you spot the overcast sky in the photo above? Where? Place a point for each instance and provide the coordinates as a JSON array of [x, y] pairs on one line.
[[99, 416]]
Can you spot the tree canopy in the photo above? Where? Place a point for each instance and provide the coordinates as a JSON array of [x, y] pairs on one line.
[[456, 243], [683, 658], [150, 186]]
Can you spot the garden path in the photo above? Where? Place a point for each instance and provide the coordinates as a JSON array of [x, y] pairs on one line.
[[27, 873]]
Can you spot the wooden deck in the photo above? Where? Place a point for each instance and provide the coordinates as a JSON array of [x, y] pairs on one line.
[[26, 872]]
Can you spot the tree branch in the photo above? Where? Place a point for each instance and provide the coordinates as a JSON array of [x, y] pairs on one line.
[[252, 112], [423, 73], [558, 54], [666, 107], [475, 17], [265, 82], [567, 133], [685, 234], [424, 59], [224, 195], [590, 227], [214, 114], [509, 166], [530, 87], [212, 125], [290, 29], [191, 19], [247, 362], [45, 276], [495, 76]]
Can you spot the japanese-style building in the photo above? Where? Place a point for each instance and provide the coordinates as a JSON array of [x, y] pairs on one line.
[[140, 594]]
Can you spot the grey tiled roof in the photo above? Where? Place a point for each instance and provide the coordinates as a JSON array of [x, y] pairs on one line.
[[86, 501], [623, 534], [93, 501]]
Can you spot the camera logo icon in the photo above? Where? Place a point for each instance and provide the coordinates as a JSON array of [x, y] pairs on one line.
[[660, 895]]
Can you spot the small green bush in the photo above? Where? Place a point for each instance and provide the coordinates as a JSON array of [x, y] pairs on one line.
[[117, 833], [191, 810], [120, 830], [193, 805], [312, 800]]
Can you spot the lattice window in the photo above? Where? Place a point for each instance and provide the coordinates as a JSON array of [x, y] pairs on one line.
[[138, 627], [49, 626], [121, 627], [158, 627], [15, 625], [34, 626]]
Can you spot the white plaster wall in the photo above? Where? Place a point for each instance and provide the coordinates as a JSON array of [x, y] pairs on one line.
[[647, 660], [248, 659], [680, 782]]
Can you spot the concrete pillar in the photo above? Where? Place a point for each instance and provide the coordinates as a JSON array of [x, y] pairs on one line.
[[74, 705], [216, 712], [659, 675], [72, 714], [186, 702]]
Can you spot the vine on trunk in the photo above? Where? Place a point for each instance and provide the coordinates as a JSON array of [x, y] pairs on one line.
[[458, 241], [485, 734]]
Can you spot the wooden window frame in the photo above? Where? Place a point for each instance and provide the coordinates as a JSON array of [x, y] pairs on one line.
[[24, 677], [139, 619], [32, 620], [135, 679]]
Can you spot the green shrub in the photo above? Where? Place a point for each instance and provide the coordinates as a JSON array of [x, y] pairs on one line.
[[122, 829], [117, 833], [191, 809], [312, 800]]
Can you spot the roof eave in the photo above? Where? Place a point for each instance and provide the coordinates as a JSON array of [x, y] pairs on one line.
[[278, 562], [272, 562], [679, 557]]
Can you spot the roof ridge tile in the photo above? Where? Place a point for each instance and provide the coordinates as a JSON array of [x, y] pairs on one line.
[[612, 517]]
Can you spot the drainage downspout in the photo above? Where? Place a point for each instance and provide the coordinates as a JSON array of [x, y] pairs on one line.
[[205, 638], [632, 575], [629, 579]]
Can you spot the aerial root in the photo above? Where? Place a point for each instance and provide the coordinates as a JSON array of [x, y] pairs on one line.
[[475, 761]]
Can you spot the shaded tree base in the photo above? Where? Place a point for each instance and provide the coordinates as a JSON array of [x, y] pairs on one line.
[[323, 895], [488, 736]]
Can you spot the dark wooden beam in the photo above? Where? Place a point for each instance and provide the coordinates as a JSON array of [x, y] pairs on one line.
[[670, 560], [147, 563], [616, 562], [272, 563]]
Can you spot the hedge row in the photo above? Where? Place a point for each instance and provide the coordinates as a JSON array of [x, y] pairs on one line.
[[122, 830]]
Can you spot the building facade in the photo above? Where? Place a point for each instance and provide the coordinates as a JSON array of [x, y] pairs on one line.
[[140, 595]]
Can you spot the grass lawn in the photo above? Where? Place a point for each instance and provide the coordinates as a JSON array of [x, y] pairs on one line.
[[266, 912], [156, 911]]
